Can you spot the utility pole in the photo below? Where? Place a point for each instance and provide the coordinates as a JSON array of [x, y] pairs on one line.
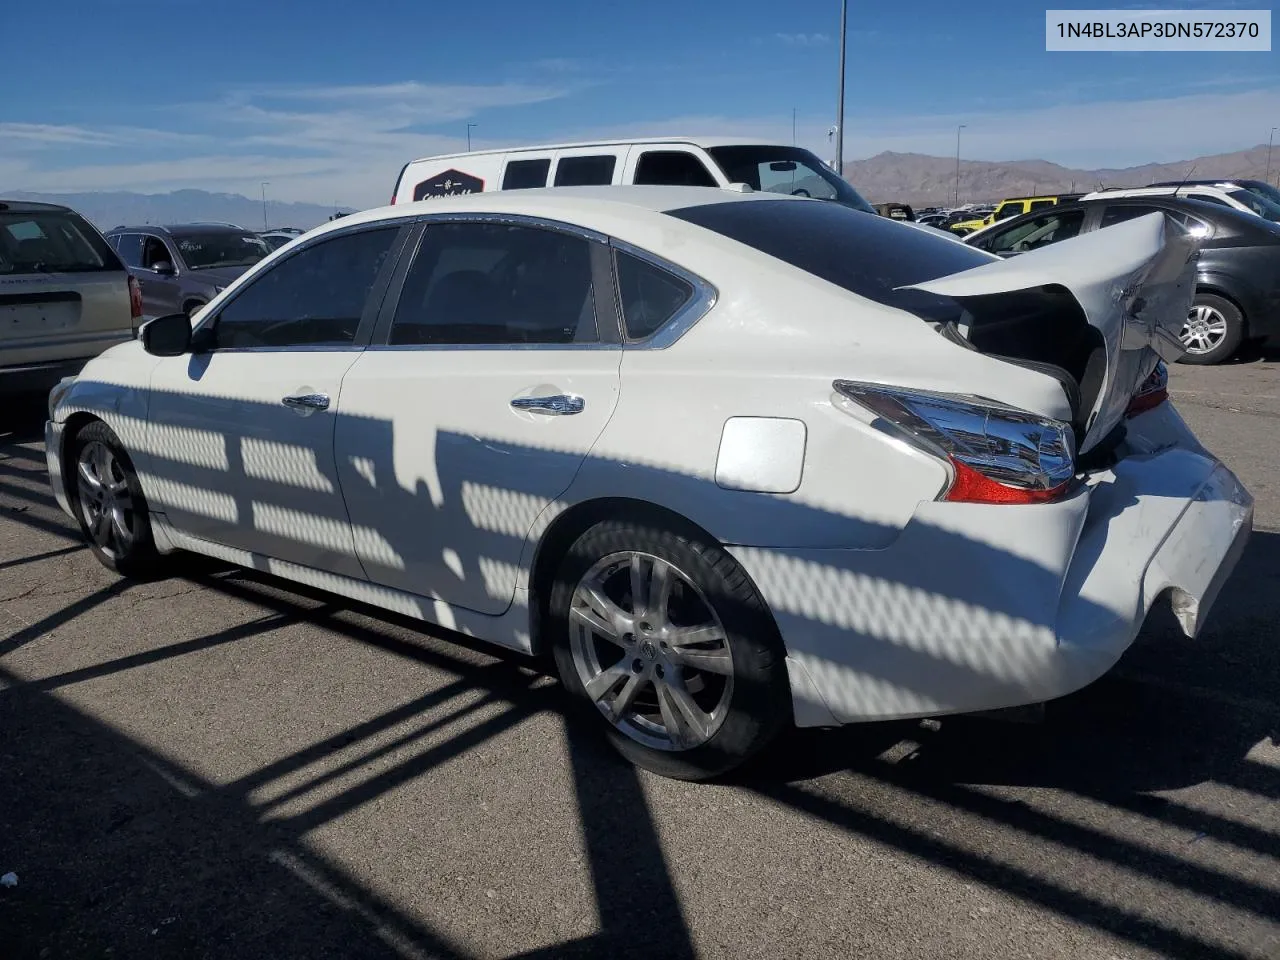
[[958, 129], [1270, 139], [844, 17], [265, 184], [469, 126]]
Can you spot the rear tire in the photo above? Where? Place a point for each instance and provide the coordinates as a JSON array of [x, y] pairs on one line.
[[688, 682], [107, 499], [1213, 332]]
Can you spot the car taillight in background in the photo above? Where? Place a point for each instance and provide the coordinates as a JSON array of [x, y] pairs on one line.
[[135, 300], [993, 453], [1153, 392]]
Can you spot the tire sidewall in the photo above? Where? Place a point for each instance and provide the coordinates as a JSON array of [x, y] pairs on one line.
[[1235, 331], [140, 559], [761, 702]]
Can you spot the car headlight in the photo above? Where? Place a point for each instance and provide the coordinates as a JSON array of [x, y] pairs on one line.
[[58, 392]]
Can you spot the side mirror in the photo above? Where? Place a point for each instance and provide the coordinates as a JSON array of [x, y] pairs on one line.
[[163, 267], [167, 336]]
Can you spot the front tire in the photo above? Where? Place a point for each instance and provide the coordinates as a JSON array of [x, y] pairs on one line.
[[108, 502], [1213, 332], [664, 639]]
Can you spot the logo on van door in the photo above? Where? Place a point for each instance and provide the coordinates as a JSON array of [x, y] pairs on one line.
[[451, 183]]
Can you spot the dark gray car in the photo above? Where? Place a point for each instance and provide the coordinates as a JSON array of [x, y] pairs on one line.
[[182, 267]]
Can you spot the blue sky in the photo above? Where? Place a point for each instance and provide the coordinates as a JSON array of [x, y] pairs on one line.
[[326, 100]]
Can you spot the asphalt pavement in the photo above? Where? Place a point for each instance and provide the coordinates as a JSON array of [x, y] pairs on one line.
[[216, 764]]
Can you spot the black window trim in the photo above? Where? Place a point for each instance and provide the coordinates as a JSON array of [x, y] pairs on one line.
[[682, 321], [405, 226], [608, 314]]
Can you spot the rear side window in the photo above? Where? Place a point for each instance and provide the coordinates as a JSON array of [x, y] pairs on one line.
[[585, 171], [650, 295], [130, 247], [867, 255], [1038, 204], [1120, 214], [672, 167], [313, 298], [490, 283], [53, 241], [526, 174]]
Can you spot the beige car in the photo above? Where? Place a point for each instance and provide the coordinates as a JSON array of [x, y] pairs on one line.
[[64, 295]]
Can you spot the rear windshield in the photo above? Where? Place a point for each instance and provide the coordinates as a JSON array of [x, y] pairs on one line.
[[52, 241], [225, 248], [864, 253]]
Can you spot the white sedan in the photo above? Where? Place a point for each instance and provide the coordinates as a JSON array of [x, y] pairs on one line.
[[738, 461]]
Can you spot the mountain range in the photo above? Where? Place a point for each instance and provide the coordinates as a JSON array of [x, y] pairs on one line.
[[920, 180], [107, 210], [913, 178]]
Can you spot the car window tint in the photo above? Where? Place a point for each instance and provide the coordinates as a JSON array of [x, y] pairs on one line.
[[1009, 210], [585, 171], [130, 248], [487, 283], [1040, 204], [52, 241], [1119, 214], [1038, 232], [154, 251], [674, 167], [526, 174], [650, 295], [313, 298]]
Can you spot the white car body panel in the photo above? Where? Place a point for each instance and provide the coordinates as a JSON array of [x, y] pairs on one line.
[[889, 602]]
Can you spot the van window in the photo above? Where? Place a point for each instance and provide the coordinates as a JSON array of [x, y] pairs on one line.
[[526, 174], [585, 171], [672, 167]]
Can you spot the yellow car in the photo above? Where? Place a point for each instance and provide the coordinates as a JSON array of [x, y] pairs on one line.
[[1011, 207]]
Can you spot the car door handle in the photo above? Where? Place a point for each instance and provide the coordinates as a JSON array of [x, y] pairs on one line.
[[559, 405], [307, 401]]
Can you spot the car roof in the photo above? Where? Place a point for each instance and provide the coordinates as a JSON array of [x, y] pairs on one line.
[[31, 206], [704, 142], [180, 229], [574, 205]]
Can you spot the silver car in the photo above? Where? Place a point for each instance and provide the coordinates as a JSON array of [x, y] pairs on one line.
[[64, 295]]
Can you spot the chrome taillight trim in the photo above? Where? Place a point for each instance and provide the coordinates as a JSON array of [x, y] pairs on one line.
[[1004, 443]]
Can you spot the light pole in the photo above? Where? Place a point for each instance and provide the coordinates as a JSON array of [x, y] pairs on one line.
[[793, 126], [958, 129], [1270, 139], [469, 126], [844, 16], [265, 184]]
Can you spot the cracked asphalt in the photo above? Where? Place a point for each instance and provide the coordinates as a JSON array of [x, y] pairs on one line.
[[216, 764]]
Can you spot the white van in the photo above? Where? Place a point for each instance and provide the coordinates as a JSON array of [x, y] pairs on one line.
[[706, 162]]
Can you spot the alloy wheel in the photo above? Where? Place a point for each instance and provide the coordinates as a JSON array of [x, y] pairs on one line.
[[1204, 330], [105, 499], [650, 651]]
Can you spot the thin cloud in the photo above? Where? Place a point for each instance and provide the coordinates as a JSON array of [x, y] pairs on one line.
[[803, 39]]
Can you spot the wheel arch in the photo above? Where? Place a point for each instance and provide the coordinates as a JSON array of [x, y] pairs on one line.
[[1215, 286], [71, 428], [577, 520]]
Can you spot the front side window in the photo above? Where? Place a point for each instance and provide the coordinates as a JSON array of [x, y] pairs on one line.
[[1257, 203], [154, 251], [585, 171], [225, 248], [672, 167], [492, 283], [526, 174], [55, 241], [313, 298], [1009, 210], [1038, 232], [650, 295], [790, 170]]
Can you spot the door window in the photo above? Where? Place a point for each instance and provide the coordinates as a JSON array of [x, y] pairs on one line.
[[650, 295], [1008, 210], [585, 171], [154, 251], [313, 298], [677, 167], [1040, 204], [491, 283], [1038, 231], [1119, 214], [130, 248], [525, 174]]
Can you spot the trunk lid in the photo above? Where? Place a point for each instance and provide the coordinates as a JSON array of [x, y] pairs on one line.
[[1133, 283]]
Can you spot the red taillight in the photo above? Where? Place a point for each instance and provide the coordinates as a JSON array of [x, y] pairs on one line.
[[135, 298], [970, 486], [1153, 392]]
